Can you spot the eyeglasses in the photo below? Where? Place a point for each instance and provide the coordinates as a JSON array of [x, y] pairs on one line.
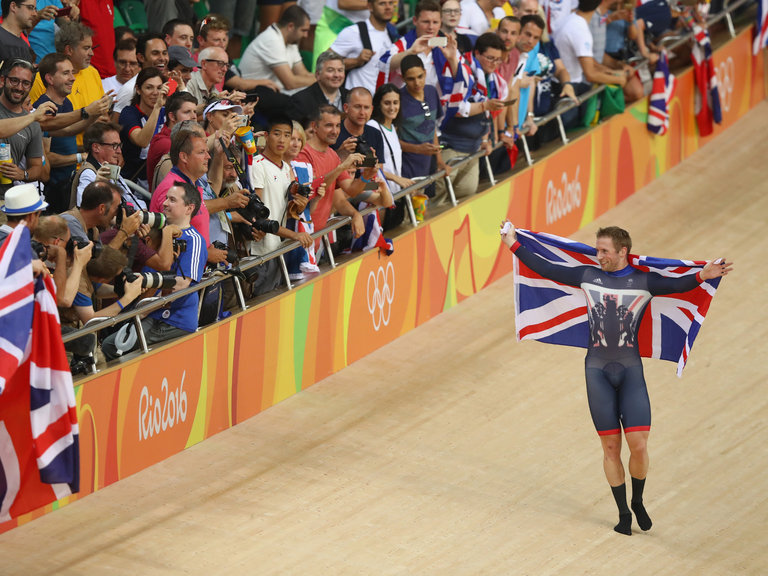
[[32, 7], [115, 145], [13, 81], [127, 63], [219, 63], [491, 60], [427, 111], [452, 11]]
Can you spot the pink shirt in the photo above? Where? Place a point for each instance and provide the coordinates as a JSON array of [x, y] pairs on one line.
[[200, 221], [323, 163]]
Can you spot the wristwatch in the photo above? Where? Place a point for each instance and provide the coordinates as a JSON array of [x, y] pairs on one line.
[[84, 114], [26, 176]]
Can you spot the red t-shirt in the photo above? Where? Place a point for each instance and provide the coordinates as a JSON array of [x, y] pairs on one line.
[[99, 16], [200, 222], [323, 163], [159, 145]]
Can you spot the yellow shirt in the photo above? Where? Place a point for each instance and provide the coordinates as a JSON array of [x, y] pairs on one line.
[[86, 90]]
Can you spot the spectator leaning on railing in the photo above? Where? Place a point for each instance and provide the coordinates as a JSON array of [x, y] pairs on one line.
[[182, 202]]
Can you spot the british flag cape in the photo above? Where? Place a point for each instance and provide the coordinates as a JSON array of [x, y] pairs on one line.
[[557, 314], [662, 92], [34, 372]]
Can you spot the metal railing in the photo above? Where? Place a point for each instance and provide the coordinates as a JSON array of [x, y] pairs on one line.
[[151, 304]]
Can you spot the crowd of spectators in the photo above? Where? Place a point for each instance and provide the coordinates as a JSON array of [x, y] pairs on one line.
[[138, 160]]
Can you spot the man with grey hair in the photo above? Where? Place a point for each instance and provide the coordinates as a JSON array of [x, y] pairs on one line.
[[75, 41], [189, 156], [213, 66], [329, 88]]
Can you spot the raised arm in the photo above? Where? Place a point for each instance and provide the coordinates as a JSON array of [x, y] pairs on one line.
[[570, 276]]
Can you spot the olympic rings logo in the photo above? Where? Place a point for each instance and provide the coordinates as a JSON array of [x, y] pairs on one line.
[[381, 293], [726, 74]]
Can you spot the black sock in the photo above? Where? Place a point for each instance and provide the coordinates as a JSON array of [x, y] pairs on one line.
[[625, 516], [643, 520]]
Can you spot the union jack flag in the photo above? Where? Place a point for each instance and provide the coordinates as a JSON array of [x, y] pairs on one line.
[[33, 357], [551, 312], [761, 32], [707, 98], [662, 92]]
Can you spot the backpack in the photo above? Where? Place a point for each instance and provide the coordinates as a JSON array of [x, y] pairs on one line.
[[366, 39]]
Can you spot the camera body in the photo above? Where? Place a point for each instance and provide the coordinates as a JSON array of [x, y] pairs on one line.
[[231, 252], [179, 245], [257, 214], [296, 187], [73, 243]]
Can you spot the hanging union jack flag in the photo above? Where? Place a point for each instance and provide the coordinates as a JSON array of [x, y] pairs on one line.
[[38, 418], [706, 97], [662, 92], [761, 32], [551, 312]]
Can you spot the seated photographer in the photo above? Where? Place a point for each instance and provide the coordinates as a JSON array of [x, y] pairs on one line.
[[65, 257], [92, 282], [103, 147], [182, 202], [271, 177], [190, 157]]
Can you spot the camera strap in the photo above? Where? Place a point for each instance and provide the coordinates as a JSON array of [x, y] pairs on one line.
[[132, 249]]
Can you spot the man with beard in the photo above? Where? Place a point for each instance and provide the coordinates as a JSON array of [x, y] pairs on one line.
[[15, 82], [18, 16], [361, 55]]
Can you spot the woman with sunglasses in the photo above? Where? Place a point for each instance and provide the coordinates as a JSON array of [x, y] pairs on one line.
[[420, 111], [140, 121]]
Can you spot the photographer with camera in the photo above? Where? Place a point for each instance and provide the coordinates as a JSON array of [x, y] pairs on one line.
[[190, 157], [64, 257], [272, 177], [181, 204], [355, 134]]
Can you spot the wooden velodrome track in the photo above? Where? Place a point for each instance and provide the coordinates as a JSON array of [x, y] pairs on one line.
[[434, 457]]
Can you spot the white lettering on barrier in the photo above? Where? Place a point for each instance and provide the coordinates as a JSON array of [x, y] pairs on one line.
[[155, 417], [726, 75], [564, 200], [381, 293]]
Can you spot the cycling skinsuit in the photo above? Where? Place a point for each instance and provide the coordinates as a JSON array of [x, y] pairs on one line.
[[616, 302]]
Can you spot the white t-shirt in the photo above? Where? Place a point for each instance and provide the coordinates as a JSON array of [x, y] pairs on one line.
[[473, 17], [274, 181], [125, 95], [267, 51], [111, 83], [393, 153], [349, 45], [574, 41], [556, 11], [354, 15]]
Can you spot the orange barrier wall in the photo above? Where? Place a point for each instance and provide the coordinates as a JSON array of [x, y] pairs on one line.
[[154, 406]]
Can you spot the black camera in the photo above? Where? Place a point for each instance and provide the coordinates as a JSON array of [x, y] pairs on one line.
[[153, 219], [179, 245], [362, 147], [231, 252], [73, 243], [40, 250], [157, 280], [257, 215], [301, 189]]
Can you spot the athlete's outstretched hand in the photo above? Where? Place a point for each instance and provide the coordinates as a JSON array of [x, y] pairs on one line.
[[508, 234], [716, 269]]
